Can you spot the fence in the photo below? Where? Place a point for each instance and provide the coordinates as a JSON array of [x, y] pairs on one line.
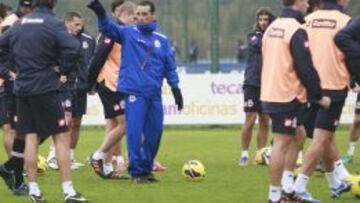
[[188, 22]]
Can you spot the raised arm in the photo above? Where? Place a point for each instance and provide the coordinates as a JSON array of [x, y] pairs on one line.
[[102, 51], [106, 26]]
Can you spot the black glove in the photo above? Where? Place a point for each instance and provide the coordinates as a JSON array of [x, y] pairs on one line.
[[98, 8], [178, 97]]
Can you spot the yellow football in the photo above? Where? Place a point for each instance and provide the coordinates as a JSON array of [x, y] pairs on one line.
[[194, 170]]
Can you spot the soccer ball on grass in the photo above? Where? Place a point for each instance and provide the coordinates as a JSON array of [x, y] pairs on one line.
[[355, 187], [42, 165], [194, 170], [263, 156]]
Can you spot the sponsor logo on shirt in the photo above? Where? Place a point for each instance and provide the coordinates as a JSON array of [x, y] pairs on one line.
[[32, 21], [253, 38], [324, 23], [277, 32], [107, 41], [306, 44], [67, 103], [157, 44], [85, 45], [132, 98]]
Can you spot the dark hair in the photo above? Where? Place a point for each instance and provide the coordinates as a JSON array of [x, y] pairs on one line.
[[48, 3], [331, 1], [25, 3], [264, 11], [69, 16], [288, 2], [148, 3], [3, 10], [115, 4], [312, 5]]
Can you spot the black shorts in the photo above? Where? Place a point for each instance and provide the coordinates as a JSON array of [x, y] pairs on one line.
[[41, 114], [8, 110], [357, 105], [2, 111], [328, 119], [284, 123], [113, 102], [252, 101], [308, 118], [66, 98], [79, 104]]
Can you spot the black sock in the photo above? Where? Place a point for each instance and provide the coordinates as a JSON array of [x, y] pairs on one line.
[[16, 162], [18, 172], [9, 164]]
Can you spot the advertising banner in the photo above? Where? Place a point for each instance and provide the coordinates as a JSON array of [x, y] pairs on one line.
[[209, 99]]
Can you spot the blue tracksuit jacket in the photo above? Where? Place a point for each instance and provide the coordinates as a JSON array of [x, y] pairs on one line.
[[146, 61]]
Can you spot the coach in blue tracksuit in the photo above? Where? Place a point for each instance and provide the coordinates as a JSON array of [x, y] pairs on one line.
[[146, 60]]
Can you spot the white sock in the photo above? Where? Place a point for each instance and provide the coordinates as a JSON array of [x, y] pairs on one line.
[[274, 193], [333, 180], [52, 153], [301, 183], [108, 168], [287, 181], [68, 188], [301, 155], [72, 155], [99, 155], [120, 160], [245, 153], [340, 170], [351, 150], [34, 189]]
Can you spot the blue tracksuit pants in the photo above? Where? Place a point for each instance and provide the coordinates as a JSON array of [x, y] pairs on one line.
[[144, 127]]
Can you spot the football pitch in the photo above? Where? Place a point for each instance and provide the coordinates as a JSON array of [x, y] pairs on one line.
[[218, 149]]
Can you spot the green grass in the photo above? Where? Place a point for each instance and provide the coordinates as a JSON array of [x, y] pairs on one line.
[[217, 148]]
